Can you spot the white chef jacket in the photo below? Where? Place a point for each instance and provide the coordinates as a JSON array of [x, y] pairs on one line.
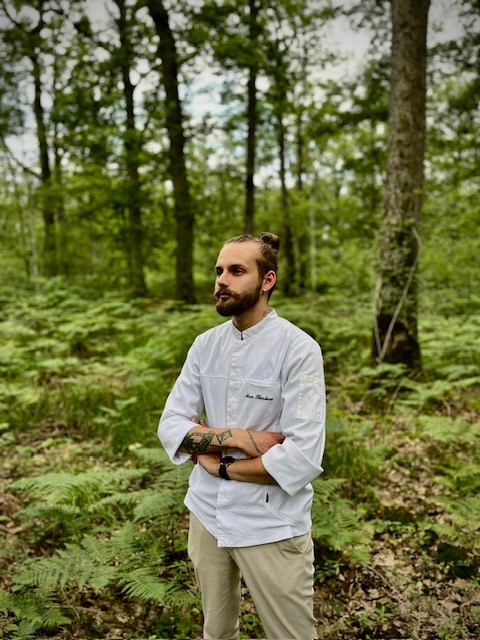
[[267, 378]]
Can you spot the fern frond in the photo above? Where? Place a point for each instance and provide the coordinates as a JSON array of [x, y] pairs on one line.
[[154, 506], [31, 611], [463, 477], [77, 489], [448, 430], [144, 584], [25, 630], [126, 499], [87, 563], [465, 512], [327, 488], [339, 526], [126, 541], [61, 512]]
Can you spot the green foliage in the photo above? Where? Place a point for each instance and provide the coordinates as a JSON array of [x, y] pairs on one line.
[[95, 367], [23, 615], [450, 430], [352, 452], [99, 507], [338, 523], [126, 538]]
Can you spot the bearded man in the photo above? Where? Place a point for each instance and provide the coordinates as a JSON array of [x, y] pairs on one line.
[[249, 409]]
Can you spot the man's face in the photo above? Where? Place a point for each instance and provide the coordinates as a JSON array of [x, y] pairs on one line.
[[238, 287]]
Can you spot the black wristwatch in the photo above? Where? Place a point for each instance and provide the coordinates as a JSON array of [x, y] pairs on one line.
[[224, 464]]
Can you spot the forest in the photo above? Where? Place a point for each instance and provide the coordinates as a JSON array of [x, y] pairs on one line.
[[136, 136]]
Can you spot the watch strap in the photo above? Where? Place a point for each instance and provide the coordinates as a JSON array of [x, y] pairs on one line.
[[225, 462]]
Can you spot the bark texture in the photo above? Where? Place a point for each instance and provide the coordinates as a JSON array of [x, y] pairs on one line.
[[47, 205], [251, 120], [132, 145], [184, 216], [396, 305]]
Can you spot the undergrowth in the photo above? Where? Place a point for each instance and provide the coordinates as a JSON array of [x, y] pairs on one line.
[[92, 512]]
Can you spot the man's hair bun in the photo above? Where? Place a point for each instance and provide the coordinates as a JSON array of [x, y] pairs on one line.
[[271, 239]]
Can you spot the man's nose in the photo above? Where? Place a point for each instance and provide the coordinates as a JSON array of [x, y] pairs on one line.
[[222, 281]]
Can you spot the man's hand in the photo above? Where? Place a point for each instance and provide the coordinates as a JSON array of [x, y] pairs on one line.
[[210, 462], [256, 443]]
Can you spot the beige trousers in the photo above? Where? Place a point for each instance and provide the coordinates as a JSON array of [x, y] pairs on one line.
[[279, 577]]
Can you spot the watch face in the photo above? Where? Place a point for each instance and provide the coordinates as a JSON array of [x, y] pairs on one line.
[[222, 470]]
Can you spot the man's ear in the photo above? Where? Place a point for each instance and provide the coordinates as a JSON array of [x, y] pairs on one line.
[[269, 280]]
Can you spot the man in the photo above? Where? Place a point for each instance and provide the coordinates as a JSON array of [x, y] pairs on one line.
[[259, 380]]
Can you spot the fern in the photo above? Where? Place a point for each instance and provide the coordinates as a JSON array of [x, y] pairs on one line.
[[350, 452], [422, 394], [461, 476], [29, 613], [449, 430], [464, 517], [144, 583], [94, 563], [81, 489], [337, 524]]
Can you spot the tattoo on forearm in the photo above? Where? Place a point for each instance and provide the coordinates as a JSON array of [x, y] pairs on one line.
[[252, 440], [198, 442]]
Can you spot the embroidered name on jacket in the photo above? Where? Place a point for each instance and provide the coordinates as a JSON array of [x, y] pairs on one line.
[[258, 397]]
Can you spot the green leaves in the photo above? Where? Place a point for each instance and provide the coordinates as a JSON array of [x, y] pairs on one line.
[[94, 516]]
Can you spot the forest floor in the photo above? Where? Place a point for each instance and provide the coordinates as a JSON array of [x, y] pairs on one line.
[[412, 588], [402, 463]]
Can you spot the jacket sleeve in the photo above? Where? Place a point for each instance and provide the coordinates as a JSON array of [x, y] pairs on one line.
[[184, 402], [297, 461]]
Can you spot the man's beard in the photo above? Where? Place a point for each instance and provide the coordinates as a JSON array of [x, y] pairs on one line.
[[239, 303]]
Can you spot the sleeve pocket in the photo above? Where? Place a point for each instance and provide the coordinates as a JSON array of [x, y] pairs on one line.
[[311, 399]]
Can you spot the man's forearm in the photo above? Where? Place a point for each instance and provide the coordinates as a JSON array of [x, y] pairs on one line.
[[250, 471], [206, 440], [203, 439]]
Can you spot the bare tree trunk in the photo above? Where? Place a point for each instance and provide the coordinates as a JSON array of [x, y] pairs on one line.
[[47, 205], [396, 305], [251, 121], [289, 285], [174, 122], [132, 150], [303, 234]]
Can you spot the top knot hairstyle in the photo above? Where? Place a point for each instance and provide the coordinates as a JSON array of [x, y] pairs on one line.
[[269, 244]]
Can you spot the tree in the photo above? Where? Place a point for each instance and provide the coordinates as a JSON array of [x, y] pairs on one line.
[[396, 307], [252, 116], [184, 216], [280, 108], [132, 146], [25, 35], [235, 32]]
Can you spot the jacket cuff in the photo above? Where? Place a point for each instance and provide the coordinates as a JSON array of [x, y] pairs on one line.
[[289, 467], [171, 437]]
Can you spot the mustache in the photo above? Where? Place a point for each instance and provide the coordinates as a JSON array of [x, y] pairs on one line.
[[220, 292]]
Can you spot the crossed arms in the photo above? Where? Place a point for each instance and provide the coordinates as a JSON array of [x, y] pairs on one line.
[[206, 444]]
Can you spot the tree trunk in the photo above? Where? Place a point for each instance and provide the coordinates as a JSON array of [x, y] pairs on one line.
[[174, 123], [132, 150], [303, 233], [289, 285], [47, 205], [251, 121], [395, 328]]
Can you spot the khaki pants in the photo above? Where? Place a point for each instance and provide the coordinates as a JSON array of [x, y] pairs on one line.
[[279, 577]]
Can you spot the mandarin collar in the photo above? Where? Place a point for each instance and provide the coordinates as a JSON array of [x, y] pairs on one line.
[[255, 329]]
